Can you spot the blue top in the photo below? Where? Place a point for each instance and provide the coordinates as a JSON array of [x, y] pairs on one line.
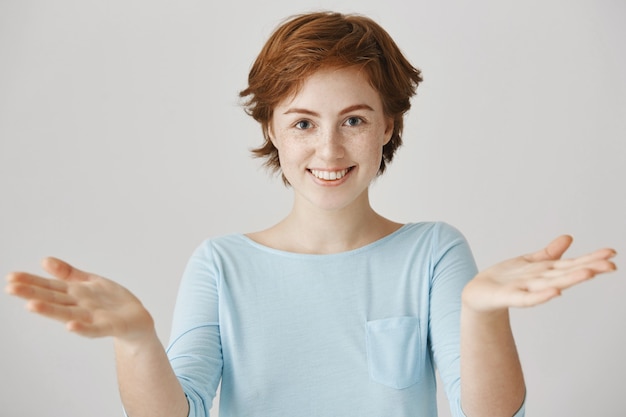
[[355, 333]]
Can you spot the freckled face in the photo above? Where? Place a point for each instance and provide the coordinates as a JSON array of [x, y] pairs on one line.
[[330, 137]]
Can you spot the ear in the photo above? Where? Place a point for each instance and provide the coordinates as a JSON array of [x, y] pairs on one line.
[[270, 133], [388, 130]]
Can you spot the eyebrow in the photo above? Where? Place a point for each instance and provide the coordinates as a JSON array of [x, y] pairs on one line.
[[342, 112]]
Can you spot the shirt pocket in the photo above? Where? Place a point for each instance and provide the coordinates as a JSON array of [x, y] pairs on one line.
[[394, 353]]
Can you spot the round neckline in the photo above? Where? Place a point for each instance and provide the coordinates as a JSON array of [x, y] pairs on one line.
[[363, 248]]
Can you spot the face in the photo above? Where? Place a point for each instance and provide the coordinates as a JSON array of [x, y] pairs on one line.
[[330, 137]]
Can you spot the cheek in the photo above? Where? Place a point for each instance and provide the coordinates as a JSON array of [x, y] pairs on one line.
[[288, 155], [369, 155]]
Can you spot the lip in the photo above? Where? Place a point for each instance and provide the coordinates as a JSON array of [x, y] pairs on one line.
[[331, 183]]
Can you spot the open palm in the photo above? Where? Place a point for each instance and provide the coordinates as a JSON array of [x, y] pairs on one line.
[[88, 304], [534, 278]]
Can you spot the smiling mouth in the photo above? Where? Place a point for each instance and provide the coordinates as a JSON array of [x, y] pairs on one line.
[[330, 175]]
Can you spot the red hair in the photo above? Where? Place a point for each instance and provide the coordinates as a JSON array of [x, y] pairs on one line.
[[305, 43]]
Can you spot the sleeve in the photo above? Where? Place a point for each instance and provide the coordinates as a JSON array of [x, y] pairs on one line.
[[452, 266], [195, 350]]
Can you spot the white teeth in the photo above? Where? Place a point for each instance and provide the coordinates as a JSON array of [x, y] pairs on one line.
[[329, 175]]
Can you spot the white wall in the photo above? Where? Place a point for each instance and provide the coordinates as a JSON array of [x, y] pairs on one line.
[[122, 146]]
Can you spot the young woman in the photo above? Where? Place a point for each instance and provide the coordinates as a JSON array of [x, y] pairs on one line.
[[336, 310]]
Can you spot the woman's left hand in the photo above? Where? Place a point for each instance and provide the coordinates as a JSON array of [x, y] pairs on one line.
[[534, 278]]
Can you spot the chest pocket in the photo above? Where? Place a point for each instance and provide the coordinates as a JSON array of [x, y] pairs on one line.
[[394, 351]]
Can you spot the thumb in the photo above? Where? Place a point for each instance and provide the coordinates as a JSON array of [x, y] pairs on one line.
[[62, 270], [553, 251]]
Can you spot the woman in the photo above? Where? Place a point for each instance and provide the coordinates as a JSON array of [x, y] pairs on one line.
[[335, 310]]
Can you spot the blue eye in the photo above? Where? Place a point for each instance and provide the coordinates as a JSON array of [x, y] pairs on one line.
[[303, 124], [354, 121]]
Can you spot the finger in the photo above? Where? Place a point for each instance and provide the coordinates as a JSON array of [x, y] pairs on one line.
[[59, 312], [24, 278], [63, 270], [33, 292], [600, 254], [598, 266], [565, 279], [28, 286], [553, 251]]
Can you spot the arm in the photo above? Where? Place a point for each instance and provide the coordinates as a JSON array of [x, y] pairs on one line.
[[93, 306], [492, 383], [148, 386]]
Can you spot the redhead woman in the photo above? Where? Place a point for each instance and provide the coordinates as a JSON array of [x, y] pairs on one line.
[[336, 310]]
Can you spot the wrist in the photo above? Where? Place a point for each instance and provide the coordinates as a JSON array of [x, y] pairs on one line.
[[138, 341], [486, 325], [484, 315]]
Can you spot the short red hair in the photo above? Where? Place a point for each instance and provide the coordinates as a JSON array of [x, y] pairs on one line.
[[305, 43]]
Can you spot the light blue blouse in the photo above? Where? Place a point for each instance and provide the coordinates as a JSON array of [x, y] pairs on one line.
[[356, 333]]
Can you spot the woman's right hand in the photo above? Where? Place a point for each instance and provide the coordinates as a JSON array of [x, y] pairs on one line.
[[88, 304]]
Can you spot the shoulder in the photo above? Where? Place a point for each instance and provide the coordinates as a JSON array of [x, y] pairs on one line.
[[436, 231], [438, 238], [217, 246]]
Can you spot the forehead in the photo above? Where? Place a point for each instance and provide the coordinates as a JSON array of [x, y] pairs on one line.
[[330, 87]]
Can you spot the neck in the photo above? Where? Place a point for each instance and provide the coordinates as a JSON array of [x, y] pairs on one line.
[[309, 229]]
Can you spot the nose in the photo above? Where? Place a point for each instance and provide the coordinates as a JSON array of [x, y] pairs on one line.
[[330, 144]]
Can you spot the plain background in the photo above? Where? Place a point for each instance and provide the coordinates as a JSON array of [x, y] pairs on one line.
[[123, 146]]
